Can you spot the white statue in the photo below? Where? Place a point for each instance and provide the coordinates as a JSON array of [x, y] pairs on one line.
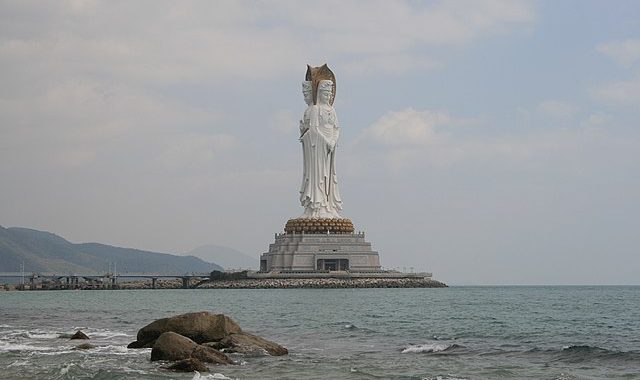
[[319, 132]]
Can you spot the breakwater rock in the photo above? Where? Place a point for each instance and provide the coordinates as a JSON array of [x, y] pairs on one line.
[[147, 284], [296, 283]]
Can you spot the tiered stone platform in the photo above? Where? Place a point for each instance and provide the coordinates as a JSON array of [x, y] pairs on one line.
[[323, 244]]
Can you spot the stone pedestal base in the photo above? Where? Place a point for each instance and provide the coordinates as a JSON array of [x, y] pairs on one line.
[[305, 252]]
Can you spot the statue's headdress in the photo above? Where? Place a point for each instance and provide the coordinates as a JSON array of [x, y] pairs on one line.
[[317, 74]]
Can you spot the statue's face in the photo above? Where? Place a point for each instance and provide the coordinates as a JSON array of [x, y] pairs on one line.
[[324, 97], [307, 92], [307, 96]]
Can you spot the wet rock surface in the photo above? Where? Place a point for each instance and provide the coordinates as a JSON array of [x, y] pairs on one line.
[[199, 326], [172, 346], [253, 345], [79, 335], [203, 337], [188, 365], [84, 346]]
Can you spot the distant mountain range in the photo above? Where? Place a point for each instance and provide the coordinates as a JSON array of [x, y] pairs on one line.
[[46, 252], [226, 257]]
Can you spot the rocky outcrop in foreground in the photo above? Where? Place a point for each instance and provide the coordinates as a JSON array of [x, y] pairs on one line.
[[193, 338]]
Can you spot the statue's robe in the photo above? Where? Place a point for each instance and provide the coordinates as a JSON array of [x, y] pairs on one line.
[[319, 193]]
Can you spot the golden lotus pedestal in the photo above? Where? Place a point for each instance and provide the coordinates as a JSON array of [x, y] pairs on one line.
[[320, 245], [319, 226]]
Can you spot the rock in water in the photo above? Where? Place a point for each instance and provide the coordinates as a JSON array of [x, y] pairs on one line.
[[178, 338], [188, 365], [250, 344], [200, 327], [172, 346], [217, 345], [138, 344], [79, 335], [84, 346]]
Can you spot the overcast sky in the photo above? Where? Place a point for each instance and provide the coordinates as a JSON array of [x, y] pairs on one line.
[[488, 142]]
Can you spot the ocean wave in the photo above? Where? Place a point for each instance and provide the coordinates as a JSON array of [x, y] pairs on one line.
[[107, 334], [581, 353], [114, 350], [19, 363], [18, 347], [428, 348], [41, 334], [352, 327], [34, 335], [50, 334], [64, 370], [30, 334], [212, 376]]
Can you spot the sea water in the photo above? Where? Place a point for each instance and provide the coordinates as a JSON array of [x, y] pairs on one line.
[[589, 332]]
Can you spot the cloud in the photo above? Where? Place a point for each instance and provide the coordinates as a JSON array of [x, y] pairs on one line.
[[389, 63], [410, 138], [407, 127], [74, 123], [625, 53], [513, 193], [596, 119], [624, 92], [284, 121], [556, 109], [226, 40], [195, 151]]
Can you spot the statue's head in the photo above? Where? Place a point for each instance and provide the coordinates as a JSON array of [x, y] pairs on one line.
[[317, 74], [307, 92], [325, 91]]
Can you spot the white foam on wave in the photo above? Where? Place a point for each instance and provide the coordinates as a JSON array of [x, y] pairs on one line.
[[426, 348], [106, 334], [65, 370], [216, 376], [52, 351], [31, 334], [99, 332], [15, 347], [117, 350], [19, 363], [111, 349], [42, 335]]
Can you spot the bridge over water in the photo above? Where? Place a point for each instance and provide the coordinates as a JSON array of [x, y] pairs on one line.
[[96, 280]]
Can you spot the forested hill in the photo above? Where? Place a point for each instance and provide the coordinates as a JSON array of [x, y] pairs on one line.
[[46, 252]]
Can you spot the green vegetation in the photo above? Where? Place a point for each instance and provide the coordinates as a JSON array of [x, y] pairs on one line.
[[217, 275]]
